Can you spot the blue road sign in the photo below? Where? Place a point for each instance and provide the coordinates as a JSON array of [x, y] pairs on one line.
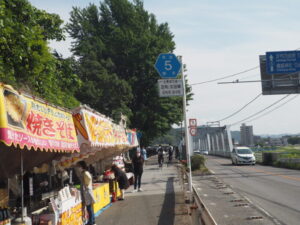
[[283, 62], [167, 65]]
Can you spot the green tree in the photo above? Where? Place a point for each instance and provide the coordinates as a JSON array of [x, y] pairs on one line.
[[25, 59], [294, 140], [117, 44]]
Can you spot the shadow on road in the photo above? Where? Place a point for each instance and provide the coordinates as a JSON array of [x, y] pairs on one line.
[[167, 214]]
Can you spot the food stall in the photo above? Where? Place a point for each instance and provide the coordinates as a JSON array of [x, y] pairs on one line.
[[32, 133], [100, 139]]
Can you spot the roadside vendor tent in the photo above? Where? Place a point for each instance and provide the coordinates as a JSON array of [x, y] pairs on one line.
[[99, 137], [32, 132], [41, 132]]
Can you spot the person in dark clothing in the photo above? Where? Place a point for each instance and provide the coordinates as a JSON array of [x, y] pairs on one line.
[[160, 153], [138, 164], [121, 179]]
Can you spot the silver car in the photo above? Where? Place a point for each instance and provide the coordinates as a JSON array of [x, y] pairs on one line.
[[242, 155], [204, 152]]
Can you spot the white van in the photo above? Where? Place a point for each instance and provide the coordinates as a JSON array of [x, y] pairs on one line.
[[242, 155]]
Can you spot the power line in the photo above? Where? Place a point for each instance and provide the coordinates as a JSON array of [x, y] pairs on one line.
[[254, 75], [222, 78], [258, 117], [232, 75], [260, 110], [231, 115]]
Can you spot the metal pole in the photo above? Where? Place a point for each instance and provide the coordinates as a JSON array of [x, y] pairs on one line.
[[22, 188], [187, 141]]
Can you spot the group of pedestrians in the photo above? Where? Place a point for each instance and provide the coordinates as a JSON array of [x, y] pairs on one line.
[[138, 162], [160, 153], [88, 198]]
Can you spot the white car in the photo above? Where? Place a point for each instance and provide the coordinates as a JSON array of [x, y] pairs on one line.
[[204, 152], [242, 155]]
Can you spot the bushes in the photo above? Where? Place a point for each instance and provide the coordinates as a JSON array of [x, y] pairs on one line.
[[197, 162], [288, 165]]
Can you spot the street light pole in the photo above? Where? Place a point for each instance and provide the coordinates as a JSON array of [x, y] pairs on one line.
[[187, 141]]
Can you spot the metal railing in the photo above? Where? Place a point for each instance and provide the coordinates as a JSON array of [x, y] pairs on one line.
[[201, 212]]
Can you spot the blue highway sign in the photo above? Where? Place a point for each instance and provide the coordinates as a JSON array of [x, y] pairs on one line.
[[167, 65], [283, 62]]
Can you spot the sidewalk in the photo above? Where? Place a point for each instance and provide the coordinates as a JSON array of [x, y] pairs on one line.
[[160, 203]]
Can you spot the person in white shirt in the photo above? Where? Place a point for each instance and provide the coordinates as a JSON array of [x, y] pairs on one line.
[[87, 191]]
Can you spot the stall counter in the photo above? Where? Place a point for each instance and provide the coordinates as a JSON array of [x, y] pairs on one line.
[[102, 196]]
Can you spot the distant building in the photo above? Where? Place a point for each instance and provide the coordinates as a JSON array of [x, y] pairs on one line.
[[257, 139], [247, 138], [278, 141], [285, 140]]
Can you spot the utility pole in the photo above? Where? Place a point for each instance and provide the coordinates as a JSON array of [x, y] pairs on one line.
[[187, 141]]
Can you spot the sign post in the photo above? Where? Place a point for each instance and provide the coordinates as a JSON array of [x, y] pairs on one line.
[[187, 140], [168, 66]]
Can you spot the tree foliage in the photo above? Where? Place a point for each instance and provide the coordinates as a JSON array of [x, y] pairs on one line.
[[294, 140], [116, 45], [25, 59]]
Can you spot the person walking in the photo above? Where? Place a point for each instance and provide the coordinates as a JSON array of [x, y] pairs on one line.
[[122, 180], [160, 153], [138, 164], [170, 154], [86, 187]]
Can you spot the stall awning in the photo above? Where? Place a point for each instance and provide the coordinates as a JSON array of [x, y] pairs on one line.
[[32, 123], [97, 131], [98, 137]]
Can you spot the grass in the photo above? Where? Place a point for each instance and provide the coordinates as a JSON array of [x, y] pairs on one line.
[[201, 171], [286, 152], [197, 165]]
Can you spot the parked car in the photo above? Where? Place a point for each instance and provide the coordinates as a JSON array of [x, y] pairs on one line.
[[197, 152], [242, 155]]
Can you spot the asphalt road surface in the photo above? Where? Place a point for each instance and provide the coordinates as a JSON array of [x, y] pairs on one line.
[[275, 191]]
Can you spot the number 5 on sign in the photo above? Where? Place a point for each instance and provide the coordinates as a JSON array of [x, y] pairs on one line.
[[168, 65]]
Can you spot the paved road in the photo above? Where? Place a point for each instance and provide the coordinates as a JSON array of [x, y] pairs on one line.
[[160, 203], [275, 190]]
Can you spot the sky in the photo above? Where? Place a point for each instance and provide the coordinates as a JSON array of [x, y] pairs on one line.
[[217, 38]]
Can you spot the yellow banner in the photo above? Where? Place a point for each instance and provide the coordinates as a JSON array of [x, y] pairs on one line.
[[25, 121], [97, 130]]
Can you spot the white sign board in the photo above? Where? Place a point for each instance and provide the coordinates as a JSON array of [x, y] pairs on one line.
[[170, 87]]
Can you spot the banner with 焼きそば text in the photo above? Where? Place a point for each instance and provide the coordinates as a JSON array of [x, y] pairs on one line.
[[25, 121]]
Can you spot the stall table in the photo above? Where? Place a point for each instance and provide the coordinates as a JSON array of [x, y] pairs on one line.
[[102, 197]]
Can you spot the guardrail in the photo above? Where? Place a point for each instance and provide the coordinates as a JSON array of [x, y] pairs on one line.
[[201, 212]]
